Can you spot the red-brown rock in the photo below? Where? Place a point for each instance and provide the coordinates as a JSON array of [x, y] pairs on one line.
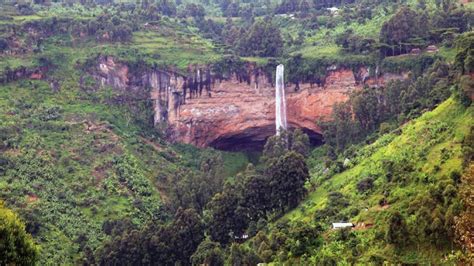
[[238, 115], [235, 114]]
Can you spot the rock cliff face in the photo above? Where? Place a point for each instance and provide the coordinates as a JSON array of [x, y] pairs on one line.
[[240, 115], [230, 114]]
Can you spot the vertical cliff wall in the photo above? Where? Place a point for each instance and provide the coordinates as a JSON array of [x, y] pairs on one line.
[[233, 112]]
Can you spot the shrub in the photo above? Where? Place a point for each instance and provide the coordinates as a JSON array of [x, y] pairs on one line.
[[16, 246], [51, 113], [396, 232], [365, 184]]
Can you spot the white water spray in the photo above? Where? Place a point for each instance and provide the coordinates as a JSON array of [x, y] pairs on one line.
[[280, 101]]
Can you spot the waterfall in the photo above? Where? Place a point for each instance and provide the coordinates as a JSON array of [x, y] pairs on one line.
[[280, 101]]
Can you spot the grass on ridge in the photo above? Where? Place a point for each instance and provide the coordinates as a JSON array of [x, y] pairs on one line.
[[450, 116]]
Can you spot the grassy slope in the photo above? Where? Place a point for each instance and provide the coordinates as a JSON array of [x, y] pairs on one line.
[[168, 44], [180, 48], [174, 44], [322, 43], [67, 174], [90, 164], [422, 141], [83, 159]]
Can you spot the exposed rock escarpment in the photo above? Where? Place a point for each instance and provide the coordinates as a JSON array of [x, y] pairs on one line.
[[229, 112]]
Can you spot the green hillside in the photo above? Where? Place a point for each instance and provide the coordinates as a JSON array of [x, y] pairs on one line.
[[89, 177], [65, 166], [70, 166], [414, 171], [400, 193]]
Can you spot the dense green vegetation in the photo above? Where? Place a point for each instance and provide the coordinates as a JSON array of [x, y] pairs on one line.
[[403, 191], [73, 169], [163, 33], [88, 179], [405, 181], [16, 246], [385, 109]]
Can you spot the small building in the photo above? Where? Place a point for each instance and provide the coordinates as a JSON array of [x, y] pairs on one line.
[[342, 225], [415, 51], [333, 10], [432, 49], [242, 237], [331, 68]]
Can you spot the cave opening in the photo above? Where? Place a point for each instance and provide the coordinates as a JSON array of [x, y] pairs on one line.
[[253, 139]]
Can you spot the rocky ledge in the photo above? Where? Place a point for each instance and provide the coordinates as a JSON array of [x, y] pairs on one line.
[[234, 114]]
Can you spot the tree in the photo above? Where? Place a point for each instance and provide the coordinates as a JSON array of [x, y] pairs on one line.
[[299, 142], [228, 219], [365, 184], [240, 255], [262, 39], [421, 4], [166, 7], [303, 238], [287, 6], [125, 249], [285, 168], [232, 10], [168, 244], [278, 145], [236, 256], [188, 232], [275, 147], [208, 253], [287, 176], [194, 10], [16, 246], [464, 228], [224, 4], [341, 130], [3, 44], [231, 34], [255, 200], [464, 62], [397, 232], [335, 203], [450, 17], [191, 189], [354, 43], [399, 31], [247, 15], [157, 247], [304, 7], [366, 108]]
